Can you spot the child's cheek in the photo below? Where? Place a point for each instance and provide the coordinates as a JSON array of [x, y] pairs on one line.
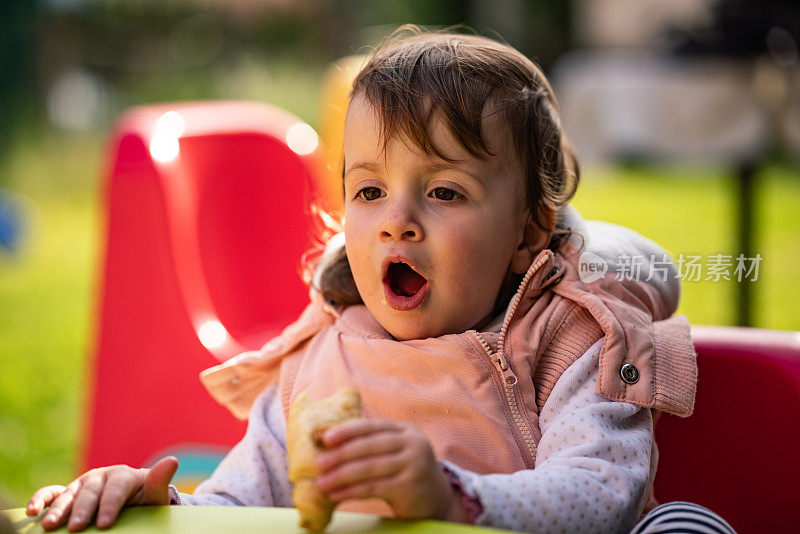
[[356, 247]]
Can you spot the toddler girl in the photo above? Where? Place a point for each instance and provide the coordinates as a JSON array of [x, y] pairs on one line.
[[501, 384]]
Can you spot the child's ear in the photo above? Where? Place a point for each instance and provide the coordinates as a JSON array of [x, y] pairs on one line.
[[533, 241]]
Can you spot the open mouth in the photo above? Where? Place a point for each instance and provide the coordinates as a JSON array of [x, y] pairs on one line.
[[404, 288], [404, 280]]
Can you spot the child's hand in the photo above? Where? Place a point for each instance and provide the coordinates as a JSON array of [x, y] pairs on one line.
[[389, 460], [104, 491]]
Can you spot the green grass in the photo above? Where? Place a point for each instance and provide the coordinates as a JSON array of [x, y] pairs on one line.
[[46, 300], [694, 212], [46, 296], [48, 293]]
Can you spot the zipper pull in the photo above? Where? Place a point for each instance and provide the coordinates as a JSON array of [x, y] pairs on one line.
[[499, 360], [501, 363]]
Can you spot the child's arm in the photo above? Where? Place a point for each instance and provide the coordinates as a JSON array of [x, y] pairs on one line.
[[255, 471], [103, 491], [592, 467]]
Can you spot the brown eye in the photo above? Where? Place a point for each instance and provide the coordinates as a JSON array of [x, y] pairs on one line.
[[443, 193], [370, 193]]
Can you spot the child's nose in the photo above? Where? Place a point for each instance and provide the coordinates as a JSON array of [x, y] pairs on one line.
[[400, 224]]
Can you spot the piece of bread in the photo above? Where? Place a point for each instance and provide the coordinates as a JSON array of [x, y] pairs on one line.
[[308, 420]]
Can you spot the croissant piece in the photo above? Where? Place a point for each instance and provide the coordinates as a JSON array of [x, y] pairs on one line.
[[308, 419]]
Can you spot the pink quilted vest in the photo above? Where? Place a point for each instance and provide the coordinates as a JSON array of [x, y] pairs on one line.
[[477, 395]]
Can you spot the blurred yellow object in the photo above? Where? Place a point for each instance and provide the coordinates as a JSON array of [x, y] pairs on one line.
[[187, 484], [335, 99]]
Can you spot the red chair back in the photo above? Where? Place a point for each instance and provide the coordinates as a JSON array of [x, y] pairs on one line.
[[737, 454], [207, 208]]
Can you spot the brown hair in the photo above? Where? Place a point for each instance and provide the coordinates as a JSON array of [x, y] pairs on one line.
[[416, 75]]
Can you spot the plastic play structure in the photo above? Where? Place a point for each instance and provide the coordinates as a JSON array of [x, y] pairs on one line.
[[736, 454], [206, 221]]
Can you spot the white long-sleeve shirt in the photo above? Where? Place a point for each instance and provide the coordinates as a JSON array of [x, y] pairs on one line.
[[593, 463]]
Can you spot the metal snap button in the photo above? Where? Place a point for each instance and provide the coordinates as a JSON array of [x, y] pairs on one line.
[[629, 373]]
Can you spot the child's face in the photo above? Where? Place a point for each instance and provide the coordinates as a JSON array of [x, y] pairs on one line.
[[459, 226]]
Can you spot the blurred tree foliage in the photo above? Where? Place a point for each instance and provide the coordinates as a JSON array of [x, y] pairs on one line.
[[70, 67], [149, 50], [17, 65]]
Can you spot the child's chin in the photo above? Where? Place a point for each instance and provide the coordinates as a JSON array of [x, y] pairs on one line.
[[421, 329], [413, 335], [420, 323]]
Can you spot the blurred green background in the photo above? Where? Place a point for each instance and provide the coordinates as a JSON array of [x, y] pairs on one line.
[[70, 67]]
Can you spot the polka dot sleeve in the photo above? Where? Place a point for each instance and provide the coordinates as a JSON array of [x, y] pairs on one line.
[[255, 471], [593, 464]]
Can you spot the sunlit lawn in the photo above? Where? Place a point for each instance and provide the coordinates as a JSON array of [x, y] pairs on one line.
[[694, 212], [48, 293]]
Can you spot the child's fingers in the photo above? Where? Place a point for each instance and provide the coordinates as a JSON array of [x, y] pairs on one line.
[[85, 503], [358, 471], [358, 427], [59, 510], [42, 498], [376, 487], [157, 480], [120, 485], [359, 447]]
